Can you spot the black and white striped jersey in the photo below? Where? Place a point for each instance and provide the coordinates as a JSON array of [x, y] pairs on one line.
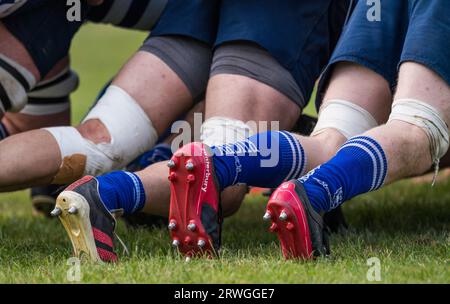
[[136, 14]]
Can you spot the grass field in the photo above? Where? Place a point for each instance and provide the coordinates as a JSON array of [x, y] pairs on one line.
[[406, 225]]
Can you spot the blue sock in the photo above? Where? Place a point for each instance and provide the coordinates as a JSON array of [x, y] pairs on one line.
[[160, 152], [3, 132], [263, 160], [358, 167], [122, 190]]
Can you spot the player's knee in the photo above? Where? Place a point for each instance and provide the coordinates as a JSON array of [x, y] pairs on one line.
[[217, 131], [259, 66], [339, 120], [15, 82], [95, 131], [192, 67], [114, 133], [423, 118]]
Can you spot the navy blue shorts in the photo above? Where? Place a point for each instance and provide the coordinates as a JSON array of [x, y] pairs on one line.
[[410, 30], [42, 27], [132, 14], [300, 35]]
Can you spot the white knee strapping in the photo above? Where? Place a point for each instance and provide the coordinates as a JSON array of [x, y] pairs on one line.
[[426, 117], [344, 116], [52, 96], [218, 131], [131, 132], [15, 81]]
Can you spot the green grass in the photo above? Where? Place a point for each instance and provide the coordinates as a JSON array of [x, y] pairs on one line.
[[405, 225]]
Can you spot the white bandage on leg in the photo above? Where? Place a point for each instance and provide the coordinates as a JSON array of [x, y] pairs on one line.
[[131, 131], [346, 117], [15, 82], [52, 96], [75, 151], [217, 131], [429, 119]]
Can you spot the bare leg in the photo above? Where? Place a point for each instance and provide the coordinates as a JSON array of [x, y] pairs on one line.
[[157, 191], [168, 99], [18, 122], [408, 152], [156, 184], [356, 84], [319, 148], [245, 99], [272, 106], [230, 96]]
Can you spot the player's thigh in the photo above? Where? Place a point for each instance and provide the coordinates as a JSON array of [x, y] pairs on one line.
[[169, 96], [248, 100], [419, 82], [261, 88], [363, 67], [361, 86], [425, 71], [157, 89], [295, 33]]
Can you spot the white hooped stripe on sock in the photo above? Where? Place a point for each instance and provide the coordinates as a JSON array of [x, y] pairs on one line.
[[299, 163], [372, 156], [294, 163], [302, 161], [138, 193], [377, 158], [381, 158], [382, 172]]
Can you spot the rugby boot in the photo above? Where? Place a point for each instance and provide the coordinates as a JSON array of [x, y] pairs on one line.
[[195, 218], [88, 223], [334, 219], [300, 229]]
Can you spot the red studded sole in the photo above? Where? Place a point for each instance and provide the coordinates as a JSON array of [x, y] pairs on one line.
[[185, 208], [292, 232]]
